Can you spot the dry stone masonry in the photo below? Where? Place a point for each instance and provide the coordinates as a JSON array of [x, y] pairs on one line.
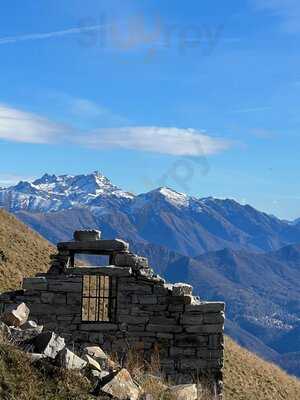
[[123, 306]]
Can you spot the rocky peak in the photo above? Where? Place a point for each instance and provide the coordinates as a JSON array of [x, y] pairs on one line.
[[46, 178]]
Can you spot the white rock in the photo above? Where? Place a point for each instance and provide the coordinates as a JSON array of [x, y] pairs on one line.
[[70, 360], [184, 392], [98, 374], [92, 363], [96, 352], [15, 315], [102, 374], [30, 325], [48, 343], [121, 386]]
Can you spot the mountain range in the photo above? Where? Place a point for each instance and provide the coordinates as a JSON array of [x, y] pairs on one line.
[[228, 251]]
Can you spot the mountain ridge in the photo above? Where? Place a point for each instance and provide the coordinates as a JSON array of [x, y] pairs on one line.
[[163, 216]]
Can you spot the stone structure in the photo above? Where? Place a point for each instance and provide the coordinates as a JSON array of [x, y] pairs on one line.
[[126, 305]]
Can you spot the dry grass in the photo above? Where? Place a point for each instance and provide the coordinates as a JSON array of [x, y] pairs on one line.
[[248, 377], [149, 375], [19, 380], [22, 252]]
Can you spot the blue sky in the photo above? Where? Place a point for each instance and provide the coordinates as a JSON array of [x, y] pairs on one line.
[[200, 96]]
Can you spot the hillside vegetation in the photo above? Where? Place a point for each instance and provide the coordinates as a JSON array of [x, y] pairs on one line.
[[24, 253], [248, 377]]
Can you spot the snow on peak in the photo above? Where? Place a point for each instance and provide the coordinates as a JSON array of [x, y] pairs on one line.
[[89, 184], [175, 198], [46, 178], [53, 193], [25, 187], [164, 194]]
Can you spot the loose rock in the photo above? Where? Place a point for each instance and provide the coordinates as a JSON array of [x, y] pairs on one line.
[[15, 315], [48, 343], [121, 386], [184, 392], [69, 360], [20, 335], [96, 352], [92, 363], [87, 235], [30, 325], [182, 289]]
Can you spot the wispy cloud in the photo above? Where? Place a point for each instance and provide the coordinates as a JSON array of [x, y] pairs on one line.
[[164, 140], [24, 127], [287, 10], [86, 108], [89, 109], [48, 35]]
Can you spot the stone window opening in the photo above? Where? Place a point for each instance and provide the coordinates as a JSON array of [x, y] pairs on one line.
[[99, 298], [86, 259]]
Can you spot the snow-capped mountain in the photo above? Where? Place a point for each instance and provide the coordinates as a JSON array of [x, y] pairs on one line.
[[54, 193], [162, 216]]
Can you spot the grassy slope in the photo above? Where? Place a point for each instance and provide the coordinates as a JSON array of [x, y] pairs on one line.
[[19, 380], [247, 377], [26, 253]]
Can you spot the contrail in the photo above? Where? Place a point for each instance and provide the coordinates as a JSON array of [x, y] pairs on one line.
[[40, 36]]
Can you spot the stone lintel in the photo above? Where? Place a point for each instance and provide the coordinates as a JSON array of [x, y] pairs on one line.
[[103, 246], [110, 270]]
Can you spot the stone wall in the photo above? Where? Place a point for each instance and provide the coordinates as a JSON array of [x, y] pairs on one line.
[[151, 316]]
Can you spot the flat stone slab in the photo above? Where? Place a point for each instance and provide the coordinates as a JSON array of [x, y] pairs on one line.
[[98, 246]]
